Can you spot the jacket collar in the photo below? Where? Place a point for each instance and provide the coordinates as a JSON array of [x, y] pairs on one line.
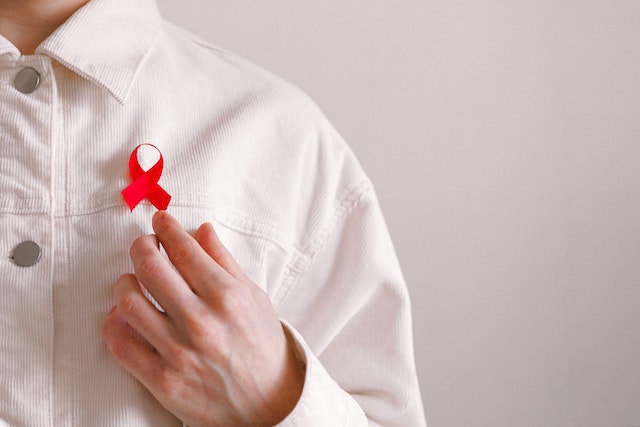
[[105, 41]]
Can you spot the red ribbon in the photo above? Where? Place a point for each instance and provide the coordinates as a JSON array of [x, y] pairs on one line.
[[145, 183]]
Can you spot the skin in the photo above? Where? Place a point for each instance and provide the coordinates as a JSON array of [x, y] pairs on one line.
[[26, 23], [217, 355]]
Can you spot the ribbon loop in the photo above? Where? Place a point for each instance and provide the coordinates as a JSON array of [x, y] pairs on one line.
[[145, 183]]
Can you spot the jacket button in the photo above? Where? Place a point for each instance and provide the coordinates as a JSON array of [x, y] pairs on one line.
[[27, 80], [26, 254]]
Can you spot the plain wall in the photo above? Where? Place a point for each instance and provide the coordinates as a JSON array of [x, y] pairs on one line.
[[504, 141]]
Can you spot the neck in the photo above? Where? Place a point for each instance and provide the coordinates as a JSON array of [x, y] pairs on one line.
[[27, 23]]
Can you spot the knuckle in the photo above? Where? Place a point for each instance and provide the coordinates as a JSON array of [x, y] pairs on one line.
[[233, 302], [183, 252], [171, 388], [128, 304], [166, 383], [196, 327], [203, 330], [181, 357], [120, 350], [147, 265]]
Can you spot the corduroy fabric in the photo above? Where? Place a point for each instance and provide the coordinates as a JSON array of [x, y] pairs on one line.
[[243, 150]]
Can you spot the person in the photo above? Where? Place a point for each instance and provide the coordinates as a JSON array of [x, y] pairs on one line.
[[263, 288]]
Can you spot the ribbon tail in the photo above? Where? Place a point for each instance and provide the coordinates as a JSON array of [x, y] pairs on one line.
[[159, 198], [135, 193]]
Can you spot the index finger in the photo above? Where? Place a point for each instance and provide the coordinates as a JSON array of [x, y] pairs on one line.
[[197, 268], [157, 276]]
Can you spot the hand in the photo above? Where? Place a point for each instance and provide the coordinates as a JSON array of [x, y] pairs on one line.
[[218, 355]]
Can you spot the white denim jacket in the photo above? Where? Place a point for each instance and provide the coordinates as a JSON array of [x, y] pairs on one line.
[[242, 150]]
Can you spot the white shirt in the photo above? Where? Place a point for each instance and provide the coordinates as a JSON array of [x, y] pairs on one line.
[[243, 150]]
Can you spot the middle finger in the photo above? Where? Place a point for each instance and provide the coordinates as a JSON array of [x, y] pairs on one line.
[[157, 275], [141, 314]]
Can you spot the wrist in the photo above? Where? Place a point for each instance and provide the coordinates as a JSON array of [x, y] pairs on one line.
[[291, 384]]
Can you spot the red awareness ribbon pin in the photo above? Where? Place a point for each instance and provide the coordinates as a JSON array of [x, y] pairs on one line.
[[145, 183]]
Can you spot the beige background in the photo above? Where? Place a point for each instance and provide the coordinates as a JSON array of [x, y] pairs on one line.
[[504, 141]]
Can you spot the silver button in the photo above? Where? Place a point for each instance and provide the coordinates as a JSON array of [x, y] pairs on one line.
[[27, 80], [26, 254]]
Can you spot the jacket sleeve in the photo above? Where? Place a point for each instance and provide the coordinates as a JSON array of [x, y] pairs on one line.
[[348, 310]]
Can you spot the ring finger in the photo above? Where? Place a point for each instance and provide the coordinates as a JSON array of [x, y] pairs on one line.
[[141, 314]]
